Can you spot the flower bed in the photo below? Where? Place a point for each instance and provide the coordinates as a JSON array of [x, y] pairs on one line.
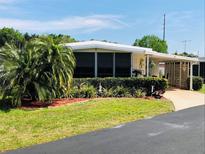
[[55, 103]]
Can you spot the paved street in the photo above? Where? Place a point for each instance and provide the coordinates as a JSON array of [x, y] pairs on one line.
[[180, 132]]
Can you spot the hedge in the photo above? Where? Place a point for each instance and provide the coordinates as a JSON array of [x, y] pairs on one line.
[[197, 82], [144, 84]]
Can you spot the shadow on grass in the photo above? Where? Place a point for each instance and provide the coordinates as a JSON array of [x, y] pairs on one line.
[[5, 105]]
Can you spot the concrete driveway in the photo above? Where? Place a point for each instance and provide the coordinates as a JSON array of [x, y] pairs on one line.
[[183, 99]]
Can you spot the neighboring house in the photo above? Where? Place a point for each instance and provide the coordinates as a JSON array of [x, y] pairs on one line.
[[199, 69], [103, 59]]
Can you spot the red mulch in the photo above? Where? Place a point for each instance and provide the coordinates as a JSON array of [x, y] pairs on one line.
[[55, 103]]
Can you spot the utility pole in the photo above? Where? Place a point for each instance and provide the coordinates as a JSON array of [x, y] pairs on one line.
[[185, 44], [164, 28]]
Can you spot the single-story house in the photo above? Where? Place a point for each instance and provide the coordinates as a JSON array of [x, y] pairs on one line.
[[199, 69], [104, 59]]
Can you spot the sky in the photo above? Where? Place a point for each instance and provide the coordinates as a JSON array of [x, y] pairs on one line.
[[120, 21]]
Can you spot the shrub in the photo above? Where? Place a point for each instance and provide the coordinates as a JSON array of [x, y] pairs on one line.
[[129, 83], [85, 91], [106, 93], [139, 93], [120, 91], [197, 82]]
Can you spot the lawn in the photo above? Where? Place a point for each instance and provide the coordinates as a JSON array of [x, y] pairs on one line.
[[20, 128], [202, 89]]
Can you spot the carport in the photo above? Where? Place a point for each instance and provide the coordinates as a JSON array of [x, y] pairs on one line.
[[177, 68]]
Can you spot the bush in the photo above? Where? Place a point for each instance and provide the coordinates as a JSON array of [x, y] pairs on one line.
[[197, 82], [120, 91], [139, 93], [106, 93], [84, 91], [144, 84]]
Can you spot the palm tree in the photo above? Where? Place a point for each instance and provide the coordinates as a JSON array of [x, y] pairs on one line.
[[40, 70]]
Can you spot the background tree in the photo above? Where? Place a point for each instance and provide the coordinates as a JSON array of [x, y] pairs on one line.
[[40, 70], [152, 41], [185, 54], [11, 36], [58, 39]]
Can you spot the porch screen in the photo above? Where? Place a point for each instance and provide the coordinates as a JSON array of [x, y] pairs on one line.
[[105, 64], [85, 65], [122, 64]]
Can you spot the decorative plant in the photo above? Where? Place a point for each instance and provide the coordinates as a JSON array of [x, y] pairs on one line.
[[40, 70]]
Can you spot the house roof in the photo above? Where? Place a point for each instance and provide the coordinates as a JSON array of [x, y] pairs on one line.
[[126, 48], [107, 46]]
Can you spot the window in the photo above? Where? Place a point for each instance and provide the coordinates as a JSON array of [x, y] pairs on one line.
[[202, 70], [85, 65], [105, 64], [122, 64]]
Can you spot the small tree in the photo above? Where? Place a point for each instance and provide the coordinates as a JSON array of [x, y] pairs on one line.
[[40, 70], [152, 41]]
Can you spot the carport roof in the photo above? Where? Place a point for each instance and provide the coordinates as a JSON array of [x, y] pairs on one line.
[[169, 57]]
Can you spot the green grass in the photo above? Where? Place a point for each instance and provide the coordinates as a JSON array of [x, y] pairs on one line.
[[21, 128], [202, 89]]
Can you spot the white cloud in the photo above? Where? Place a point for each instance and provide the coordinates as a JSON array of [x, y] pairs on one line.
[[82, 23]]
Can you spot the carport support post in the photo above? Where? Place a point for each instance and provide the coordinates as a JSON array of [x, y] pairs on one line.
[[147, 65], [191, 76]]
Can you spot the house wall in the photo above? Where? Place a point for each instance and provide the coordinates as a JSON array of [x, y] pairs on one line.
[[139, 62]]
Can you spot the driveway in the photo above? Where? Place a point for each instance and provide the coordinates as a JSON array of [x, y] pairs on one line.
[[183, 99], [179, 132]]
